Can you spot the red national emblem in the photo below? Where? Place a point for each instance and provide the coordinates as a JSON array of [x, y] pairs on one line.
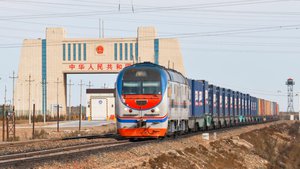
[[109, 67], [72, 66], [99, 66], [91, 67], [81, 66], [99, 49]]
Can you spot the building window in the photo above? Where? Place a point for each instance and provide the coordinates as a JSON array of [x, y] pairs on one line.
[[44, 75], [131, 51], [126, 51], [84, 51], [137, 52], [116, 51], [156, 50], [69, 51], [64, 52], [121, 51], [74, 51], [79, 51]]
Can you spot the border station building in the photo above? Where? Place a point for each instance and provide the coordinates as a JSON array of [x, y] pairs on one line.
[[44, 62]]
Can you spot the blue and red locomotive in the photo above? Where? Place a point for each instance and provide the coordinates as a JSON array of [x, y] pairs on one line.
[[153, 101]]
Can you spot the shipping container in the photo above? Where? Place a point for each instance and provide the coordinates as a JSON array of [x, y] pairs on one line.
[[243, 104], [267, 108], [237, 104], [272, 108], [212, 100], [230, 103], [263, 107], [239, 99], [205, 97], [248, 105], [259, 110], [197, 98], [220, 102], [225, 102], [254, 106]]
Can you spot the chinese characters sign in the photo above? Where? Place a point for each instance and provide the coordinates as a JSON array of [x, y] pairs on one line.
[[110, 67]]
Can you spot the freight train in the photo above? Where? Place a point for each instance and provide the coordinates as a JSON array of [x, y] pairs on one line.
[[153, 101]]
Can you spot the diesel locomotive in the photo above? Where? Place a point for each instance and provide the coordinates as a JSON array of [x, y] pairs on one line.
[[153, 101]]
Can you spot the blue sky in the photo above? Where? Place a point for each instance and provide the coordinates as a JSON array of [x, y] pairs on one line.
[[251, 46]]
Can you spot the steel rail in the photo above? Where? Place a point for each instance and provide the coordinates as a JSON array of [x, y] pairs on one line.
[[39, 155]]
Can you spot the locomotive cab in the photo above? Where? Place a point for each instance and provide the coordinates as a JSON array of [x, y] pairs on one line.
[[141, 88], [141, 110]]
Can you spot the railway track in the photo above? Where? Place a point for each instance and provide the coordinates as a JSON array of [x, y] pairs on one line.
[[22, 143], [54, 153]]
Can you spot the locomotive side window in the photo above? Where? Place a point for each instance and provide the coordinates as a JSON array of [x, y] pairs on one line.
[[141, 81]]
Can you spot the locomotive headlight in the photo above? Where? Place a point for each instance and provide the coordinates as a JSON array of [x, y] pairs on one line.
[[126, 109], [156, 109]]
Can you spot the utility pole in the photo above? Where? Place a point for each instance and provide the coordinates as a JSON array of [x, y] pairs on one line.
[[89, 85], [57, 82], [70, 84], [29, 98], [33, 121], [5, 92], [80, 112], [13, 77]]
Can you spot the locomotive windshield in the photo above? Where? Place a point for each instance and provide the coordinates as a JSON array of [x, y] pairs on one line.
[[141, 81]]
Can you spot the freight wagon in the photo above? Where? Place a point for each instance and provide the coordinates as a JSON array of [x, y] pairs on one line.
[[153, 101]]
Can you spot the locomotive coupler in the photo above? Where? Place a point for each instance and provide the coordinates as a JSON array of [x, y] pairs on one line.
[[141, 123]]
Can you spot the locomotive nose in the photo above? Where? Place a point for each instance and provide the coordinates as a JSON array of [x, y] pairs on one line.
[[141, 102]]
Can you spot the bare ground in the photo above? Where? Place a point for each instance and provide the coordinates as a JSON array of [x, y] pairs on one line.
[[273, 145]]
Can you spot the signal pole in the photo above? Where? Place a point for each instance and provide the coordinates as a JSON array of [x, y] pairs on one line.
[[29, 98], [70, 110], [13, 77], [80, 112], [57, 82]]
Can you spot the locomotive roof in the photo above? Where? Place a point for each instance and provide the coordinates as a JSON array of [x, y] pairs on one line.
[[173, 74]]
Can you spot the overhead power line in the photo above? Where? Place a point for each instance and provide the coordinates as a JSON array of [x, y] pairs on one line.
[[140, 10], [184, 35]]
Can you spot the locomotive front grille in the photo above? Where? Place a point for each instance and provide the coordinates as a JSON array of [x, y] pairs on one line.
[[141, 102]]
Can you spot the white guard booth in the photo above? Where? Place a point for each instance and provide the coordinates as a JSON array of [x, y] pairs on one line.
[[100, 104]]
